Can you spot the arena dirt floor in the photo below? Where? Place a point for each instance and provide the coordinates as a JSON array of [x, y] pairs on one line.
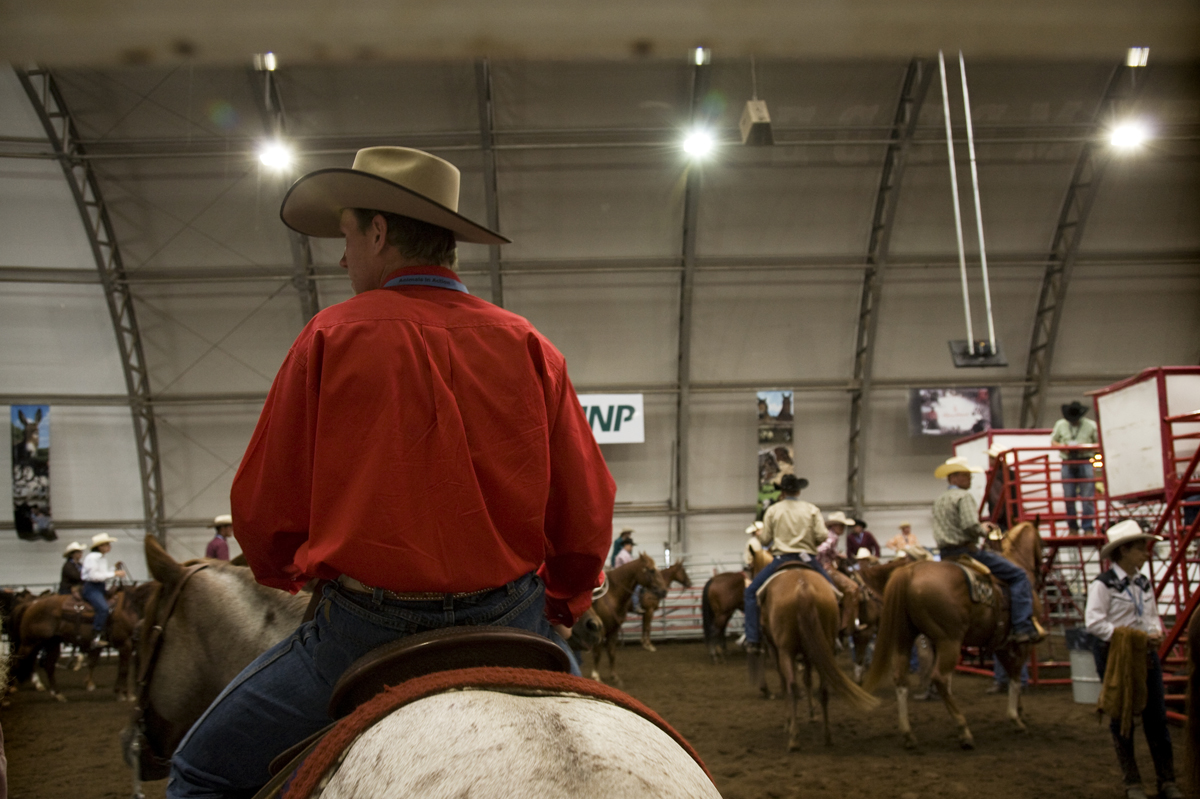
[[71, 751]]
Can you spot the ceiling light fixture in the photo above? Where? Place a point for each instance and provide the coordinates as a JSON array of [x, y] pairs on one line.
[[699, 143], [1129, 135], [703, 56], [275, 155], [1137, 57]]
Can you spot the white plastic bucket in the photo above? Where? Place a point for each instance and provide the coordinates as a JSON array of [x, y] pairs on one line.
[[1085, 685]]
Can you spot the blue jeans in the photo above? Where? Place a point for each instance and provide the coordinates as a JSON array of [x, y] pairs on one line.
[[282, 697], [1020, 592], [750, 608], [1087, 488], [1001, 674], [93, 594]]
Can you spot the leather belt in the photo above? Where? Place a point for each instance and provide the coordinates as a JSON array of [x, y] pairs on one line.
[[350, 584]]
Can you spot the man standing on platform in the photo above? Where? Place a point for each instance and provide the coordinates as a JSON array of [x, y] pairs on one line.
[[1077, 473], [218, 547], [421, 449]]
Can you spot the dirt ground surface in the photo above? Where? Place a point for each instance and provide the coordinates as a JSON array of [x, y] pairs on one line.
[[71, 750]]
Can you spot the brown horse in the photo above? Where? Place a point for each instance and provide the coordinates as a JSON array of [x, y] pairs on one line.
[[52, 620], [725, 593], [650, 601], [613, 606], [800, 614], [933, 598]]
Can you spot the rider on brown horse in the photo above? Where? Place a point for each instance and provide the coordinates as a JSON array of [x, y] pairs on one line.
[[957, 530], [792, 530], [95, 572]]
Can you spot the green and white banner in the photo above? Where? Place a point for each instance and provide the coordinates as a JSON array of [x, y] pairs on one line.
[[615, 418], [31, 472]]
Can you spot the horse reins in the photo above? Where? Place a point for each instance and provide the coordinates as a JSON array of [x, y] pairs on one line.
[[153, 643]]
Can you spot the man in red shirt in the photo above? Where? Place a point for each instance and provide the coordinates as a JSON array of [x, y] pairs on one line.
[[421, 448]]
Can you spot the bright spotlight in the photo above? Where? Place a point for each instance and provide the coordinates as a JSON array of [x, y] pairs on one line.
[[1129, 135], [275, 155], [699, 144], [1137, 57], [702, 56]]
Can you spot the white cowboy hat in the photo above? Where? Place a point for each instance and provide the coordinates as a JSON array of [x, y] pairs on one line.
[[863, 553], [995, 451], [754, 528], [222, 520], [837, 517], [74, 546], [398, 180], [102, 538], [955, 465], [1123, 533], [905, 524]]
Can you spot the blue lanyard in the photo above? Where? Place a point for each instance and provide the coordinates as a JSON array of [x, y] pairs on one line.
[[1139, 602], [437, 281]]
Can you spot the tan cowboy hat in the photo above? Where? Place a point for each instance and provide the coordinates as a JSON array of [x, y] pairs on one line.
[[74, 546], [837, 517], [905, 524], [102, 538], [754, 528], [995, 451], [1123, 533], [398, 180], [955, 465], [863, 553], [222, 520]]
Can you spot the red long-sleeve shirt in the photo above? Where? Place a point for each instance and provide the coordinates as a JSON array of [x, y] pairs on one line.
[[420, 439]]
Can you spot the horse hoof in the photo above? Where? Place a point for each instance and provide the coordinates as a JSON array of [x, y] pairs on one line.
[[966, 743], [649, 647], [59, 697], [793, 746], [910, 742], [91, 687]]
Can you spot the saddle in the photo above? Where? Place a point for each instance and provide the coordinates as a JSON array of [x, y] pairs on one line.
[[979, 579]]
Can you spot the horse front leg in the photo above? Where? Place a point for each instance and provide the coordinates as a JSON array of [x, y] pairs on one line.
[[808, 689], [945, 659], [610, 646], [647, 619], [716, 649], [900, 678], [121, 687], [1013, 662], [49, 662], [825, 712], [596, 660], [785, 663]]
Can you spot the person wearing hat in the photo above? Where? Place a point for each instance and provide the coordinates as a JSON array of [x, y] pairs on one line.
[[1123, 597], [957, 530], [827, 555], [218, 547], [1077, 473], [792, 530], [903, 539], [619, 544], [70, 576], [860, 537], [95, 572], [626, 553], [421, 448]]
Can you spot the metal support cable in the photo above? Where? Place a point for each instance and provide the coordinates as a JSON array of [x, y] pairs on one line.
[[915, 86], [487, 143], [987, 287], [63, 135], [962, 257], [1064, 248]]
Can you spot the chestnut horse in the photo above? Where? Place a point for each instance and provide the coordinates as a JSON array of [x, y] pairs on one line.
[[933, 598], [52, 620], [613, 606], [726, 592], [800, 615], [650, 600]]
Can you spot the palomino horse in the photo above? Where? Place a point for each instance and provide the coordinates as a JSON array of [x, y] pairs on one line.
[[650, 600], [503, 745], [933, 598], [725, 593], [800, 622], [52, 620], [613, 606]]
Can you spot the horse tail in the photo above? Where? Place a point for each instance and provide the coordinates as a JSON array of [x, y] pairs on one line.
[[819, 652], [706, 614], [892, 620]]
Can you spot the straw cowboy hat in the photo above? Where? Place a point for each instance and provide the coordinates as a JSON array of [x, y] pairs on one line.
[[754, 528], [955, 465], [102, 538], [837, 517], [74, 546], [995, 451], [902, 525], [398, 180], [863, 554], [1075, 411], [223, 520], [1123, 533]]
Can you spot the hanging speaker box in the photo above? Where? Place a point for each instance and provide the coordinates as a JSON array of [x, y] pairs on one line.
[[976, 354], [756, 124]]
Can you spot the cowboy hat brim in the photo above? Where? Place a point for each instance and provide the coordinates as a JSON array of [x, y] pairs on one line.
[[314, 204], [947, 469], [1107, 549]]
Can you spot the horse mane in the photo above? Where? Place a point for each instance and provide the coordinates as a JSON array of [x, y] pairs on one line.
[[1027, 555]]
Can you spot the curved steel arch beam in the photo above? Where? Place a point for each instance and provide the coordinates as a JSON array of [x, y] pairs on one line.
[[1064, 248], [60, 128], [912, 94]]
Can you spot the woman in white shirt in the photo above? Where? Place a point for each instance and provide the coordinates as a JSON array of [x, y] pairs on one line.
[[95, 572], [1123, 597]]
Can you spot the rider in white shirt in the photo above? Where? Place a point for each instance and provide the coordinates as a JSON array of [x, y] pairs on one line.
[[95, 572]]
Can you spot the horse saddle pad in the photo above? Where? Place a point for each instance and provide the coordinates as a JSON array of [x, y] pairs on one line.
[[979, 579], [442, 650], [795, 564]]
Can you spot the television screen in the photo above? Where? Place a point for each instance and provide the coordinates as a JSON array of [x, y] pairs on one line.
[[953, 411]]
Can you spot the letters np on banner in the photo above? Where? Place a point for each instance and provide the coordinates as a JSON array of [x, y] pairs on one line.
[[615, 418], [31, 472]]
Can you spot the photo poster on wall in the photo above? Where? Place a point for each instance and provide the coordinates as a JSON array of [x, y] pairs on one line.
[[776, 455], [954, 411], [31, 472]]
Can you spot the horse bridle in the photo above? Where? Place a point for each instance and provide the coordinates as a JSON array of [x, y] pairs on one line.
[[153, 642]]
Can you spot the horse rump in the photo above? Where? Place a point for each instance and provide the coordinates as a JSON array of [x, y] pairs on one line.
[[819, 653], [893, 622]]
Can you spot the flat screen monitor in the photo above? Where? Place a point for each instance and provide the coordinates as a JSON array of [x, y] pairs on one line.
[[953, 411]]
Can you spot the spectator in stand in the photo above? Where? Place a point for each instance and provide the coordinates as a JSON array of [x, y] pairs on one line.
[[904, 539], [1077, 473], [218, 547], [70, 577], [860, 537], [619, 544]]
